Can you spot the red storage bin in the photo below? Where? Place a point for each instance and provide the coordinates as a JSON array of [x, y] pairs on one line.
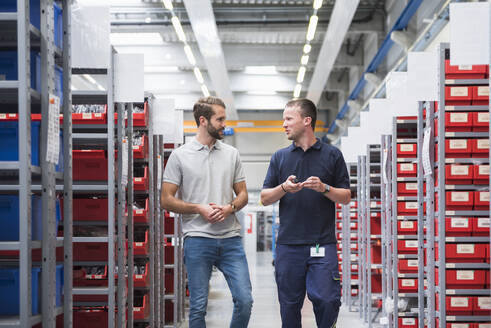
[[376, 283], [481, 200], [457, 148], [89, 118], [481, 174], [169, 254], [457, 122], [457, 305], [90, 318], [354, 292], [406, 170], [141, 183], [407, 227], [458, 200], [353, 204], [408, 322], [141, 151], [353, 215], [142, 280], [169, 281], [409, 208], [465, 71], [458, 96], [90, 209], [480, 148], [141, 247], [339, 225], [139, 119], [354, 247], [339, 215], [480, 227], [375, 226], [482, 325], [408, 285], [482, 305], [465, 253], [354, 268], [85, 251], [407, 150], [407, 266], [457, 227], [375, 215], [89, 165], [376, 254], [407, 188], [407, 246], [339, 206], [480, 95], [353, 226], [458, 174], [141, 215], [82, 279], [480, 121], [142, 311], [465, 279], [169, 225]]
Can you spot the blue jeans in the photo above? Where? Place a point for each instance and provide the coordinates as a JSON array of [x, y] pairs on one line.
[[296, 273], [200, 254]]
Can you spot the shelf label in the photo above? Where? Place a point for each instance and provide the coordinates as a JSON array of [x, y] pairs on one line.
[[484, 196], [411, 205], [483, 91], [124, 173], [483, 143], [483, 169], [483, 222], [86, 116], [459, 91], [97, 115], [406, 167], [408, 321], [459, 223], [465, 275], [138, 179], [427, 170], [408, 282], [483, 117], [407, 147], [458, 144], [459, 117], [412, 263], [53, 146], [465, 249], [3, 116], [407, 225], [411, 244], [459, 196], [411, 186], [459, 301], [353, 215], [459, 170], [484, 303], [465, 67], [138, 276], [138, 212]]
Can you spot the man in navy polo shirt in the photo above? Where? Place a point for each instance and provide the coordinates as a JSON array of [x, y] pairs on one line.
[[307, 177]]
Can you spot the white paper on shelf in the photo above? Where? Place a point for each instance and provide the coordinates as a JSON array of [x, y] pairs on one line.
[[53, 146], [427, 170], [167, 120], [469, 33], [91, 47], [124, 177], [398, 95], [423, 82], [129, 78]]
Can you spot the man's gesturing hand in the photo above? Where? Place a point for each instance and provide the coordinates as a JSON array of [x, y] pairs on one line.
[[314, 183], [290, 186]]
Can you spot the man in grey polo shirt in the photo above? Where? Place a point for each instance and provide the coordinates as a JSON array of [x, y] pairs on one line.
[[205, 173]]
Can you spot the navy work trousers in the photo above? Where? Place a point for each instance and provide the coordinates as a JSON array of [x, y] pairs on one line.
[[297, 272]]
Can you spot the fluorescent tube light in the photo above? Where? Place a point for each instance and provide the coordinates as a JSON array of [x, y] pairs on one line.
[[296, 92], [168, 4], [261, 70], [178, 27], [307, 48], [198, 75], [304, 60], [312, 27], [205, 91], [301, 74], [317, 4], [90, 78], [189, 55]]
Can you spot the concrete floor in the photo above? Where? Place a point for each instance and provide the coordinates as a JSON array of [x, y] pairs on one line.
[[266, 309]]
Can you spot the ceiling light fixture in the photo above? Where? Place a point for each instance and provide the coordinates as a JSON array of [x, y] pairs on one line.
[[148, 20], [301, 74], [168, 4], [307, 48], [198, 75], [189, 55], [178, 28], [89, 78], [205, 91], [296, 92], [312, 26], [304, 60], [317, 4]]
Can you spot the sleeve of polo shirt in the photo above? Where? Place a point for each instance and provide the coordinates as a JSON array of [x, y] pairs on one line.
[[341, 173], [172, 171], [239, 174], [272, 177]]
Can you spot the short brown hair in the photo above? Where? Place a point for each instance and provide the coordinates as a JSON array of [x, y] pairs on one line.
[[307, 109], [203, 107]]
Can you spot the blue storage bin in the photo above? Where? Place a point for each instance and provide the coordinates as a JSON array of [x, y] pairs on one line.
[[60, 166], [10, 291], [9, 68], [59, 284], [58, 78], [9, 217], [35, 16], [9, 141]]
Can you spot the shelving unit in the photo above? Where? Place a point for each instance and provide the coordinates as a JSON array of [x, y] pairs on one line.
[[24, 168], [361, 196]]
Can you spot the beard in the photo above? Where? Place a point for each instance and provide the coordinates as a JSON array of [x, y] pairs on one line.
[[213, 132]]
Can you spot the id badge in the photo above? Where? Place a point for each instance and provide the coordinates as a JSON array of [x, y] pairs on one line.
[[317, 252]]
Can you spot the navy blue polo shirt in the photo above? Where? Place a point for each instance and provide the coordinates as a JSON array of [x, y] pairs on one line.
[[307, 217]]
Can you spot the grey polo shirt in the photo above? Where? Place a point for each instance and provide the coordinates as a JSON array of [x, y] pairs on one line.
[[206, 176]]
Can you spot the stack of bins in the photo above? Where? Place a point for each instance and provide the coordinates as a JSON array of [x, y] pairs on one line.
[[462, 179]]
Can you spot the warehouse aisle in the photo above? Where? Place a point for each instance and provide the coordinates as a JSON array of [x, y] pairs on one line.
[[266, 310]]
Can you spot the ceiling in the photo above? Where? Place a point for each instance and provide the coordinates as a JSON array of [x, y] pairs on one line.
[[251, 33]]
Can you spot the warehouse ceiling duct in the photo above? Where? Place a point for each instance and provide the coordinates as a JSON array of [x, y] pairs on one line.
[[339, 24], [202, 20]]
